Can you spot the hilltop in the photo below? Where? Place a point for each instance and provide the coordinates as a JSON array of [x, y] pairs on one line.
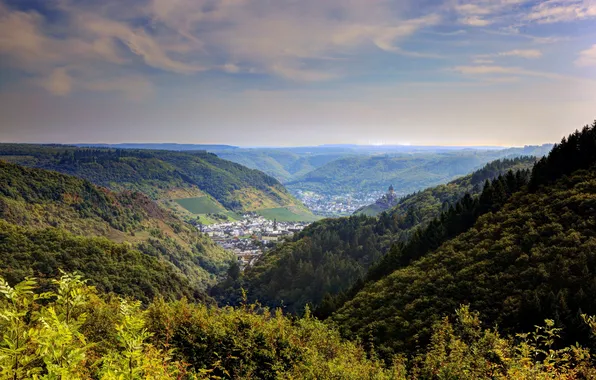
[[192, 183], [123, 241]]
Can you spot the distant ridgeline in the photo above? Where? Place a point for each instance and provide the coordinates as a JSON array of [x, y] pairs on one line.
[[123, 242], [448, 193], [329, 259], [162, 175], [408, 172]]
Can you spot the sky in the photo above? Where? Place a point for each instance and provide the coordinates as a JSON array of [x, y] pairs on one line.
[[296, 72]]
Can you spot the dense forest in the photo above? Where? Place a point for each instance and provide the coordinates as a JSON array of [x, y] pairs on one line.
[[158, 173], [331, 257], [531, 258], [124, 242], [71, 331], [428, 203]]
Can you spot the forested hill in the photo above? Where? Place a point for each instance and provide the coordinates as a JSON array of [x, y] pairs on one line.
[[328, 259], [159, 174], [407, 172], [124, 242], [532, 258], [429, 201]]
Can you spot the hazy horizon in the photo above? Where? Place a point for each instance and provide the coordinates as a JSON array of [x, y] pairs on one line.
[[256, 72], [236, 146]]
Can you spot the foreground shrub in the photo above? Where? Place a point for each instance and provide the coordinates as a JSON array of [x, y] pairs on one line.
[[72, 332]]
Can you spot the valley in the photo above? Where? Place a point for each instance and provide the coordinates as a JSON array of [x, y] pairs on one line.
[[297, 190], [491, 243]]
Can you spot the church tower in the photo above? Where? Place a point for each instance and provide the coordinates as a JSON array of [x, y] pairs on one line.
[[391, 190]]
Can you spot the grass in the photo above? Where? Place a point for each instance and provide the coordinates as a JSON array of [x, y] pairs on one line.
[[282, 214], [371, 210], [200, 205], [206, 219]]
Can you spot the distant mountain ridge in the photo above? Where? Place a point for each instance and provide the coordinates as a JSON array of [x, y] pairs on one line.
[[290, 164], [161, 174], [407, 172], [160, 146], [451, 191]]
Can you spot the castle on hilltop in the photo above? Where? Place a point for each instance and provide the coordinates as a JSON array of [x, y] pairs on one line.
[[389, 199]]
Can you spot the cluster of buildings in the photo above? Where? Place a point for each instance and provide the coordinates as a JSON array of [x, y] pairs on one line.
[[251, 236], [336, 205]]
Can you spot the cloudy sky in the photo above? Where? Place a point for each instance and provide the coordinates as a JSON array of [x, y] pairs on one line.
[[296, 72]]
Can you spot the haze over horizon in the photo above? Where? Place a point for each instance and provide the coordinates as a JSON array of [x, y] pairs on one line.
[[296, 73]]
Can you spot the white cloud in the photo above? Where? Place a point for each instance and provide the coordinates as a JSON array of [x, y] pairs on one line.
[[562, 11], [587, 57], [475, 21], [513, 14], [523, 53], [481, 13], [495, 70]]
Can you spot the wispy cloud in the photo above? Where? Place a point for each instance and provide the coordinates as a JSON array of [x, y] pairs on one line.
[[521, 53], [554, 11], [193, 36], [587, 57], [482, 13], [102, 45], [495, 70], [483, 61]]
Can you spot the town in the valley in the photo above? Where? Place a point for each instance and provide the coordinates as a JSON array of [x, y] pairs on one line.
[[251, 236], [333, 205]]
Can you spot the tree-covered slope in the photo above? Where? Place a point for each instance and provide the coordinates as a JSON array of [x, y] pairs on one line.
[[94, 336], [332, 256], [283, 164], [407, 172], [41, 208], [533, 258], [428, 203], [159, 174], [109, 266]]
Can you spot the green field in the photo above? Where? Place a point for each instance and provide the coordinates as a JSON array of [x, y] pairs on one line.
[[282, 214], [200, 205]]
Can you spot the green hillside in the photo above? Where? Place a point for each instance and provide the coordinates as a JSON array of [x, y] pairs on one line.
[[51, 221], [200, 205], [283, 164], [407, 172], [435, 198], [332, 256], [529, 259], [162, 175]]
